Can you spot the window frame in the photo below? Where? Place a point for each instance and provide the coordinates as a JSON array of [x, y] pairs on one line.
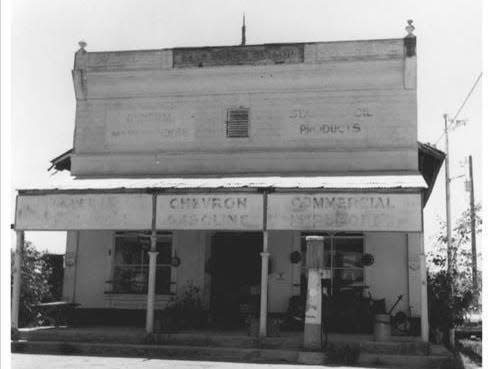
[[160, 234], [333, 251], [329, 238]]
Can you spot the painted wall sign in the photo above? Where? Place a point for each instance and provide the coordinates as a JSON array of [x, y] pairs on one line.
[[148, 126], [336, 122], [345, 212], [210, 211], [84, 211], [241, 55]]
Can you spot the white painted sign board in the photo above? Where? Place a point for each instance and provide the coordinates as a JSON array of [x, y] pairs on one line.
[[83, 212], [345, 212], [210, 211]]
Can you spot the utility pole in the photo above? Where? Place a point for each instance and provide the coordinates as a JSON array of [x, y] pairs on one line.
[[450, 268], [243, 32], [473, 229], [447, 205]]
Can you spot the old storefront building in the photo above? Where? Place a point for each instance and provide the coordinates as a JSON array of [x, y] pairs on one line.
[[261, 178]]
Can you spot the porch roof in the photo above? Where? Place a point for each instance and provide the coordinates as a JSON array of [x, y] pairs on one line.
[[228, 203], [337, 182]]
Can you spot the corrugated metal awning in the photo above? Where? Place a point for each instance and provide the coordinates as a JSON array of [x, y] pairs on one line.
[[404, 181]]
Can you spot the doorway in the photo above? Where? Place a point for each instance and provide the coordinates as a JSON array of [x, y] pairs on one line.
[[235, 267]]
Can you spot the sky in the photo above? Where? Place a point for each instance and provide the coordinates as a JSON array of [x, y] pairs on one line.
[[45, 36]]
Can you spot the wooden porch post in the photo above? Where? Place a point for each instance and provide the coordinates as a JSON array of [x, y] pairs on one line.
[[424, 290], [263, 287], [16, 290], [313, 314], [264, 276], [151, 286]]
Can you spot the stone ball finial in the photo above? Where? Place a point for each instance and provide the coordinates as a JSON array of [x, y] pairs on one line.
[[82, 44], [410, 27]]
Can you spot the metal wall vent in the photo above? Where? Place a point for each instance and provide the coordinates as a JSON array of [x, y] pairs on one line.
[[238, 123]]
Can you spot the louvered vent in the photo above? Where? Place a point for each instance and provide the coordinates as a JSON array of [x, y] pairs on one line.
[[237, 123]]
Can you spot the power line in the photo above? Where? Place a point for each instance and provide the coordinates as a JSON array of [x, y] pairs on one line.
[[463, 104]]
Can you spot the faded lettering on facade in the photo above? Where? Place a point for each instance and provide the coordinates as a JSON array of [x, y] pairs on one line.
[[217, 211], [84, 211], [326, 129], [153, 126], [345, 212], [341, 122], [245, 55]]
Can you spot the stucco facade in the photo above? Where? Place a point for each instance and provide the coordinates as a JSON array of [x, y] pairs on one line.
[[85, 279], [339, 107]]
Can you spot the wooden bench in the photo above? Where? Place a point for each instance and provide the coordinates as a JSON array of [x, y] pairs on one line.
[[58, 312]]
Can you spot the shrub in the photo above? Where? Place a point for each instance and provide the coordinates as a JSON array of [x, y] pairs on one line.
[[35, 286], [446, 312], [183, 312]]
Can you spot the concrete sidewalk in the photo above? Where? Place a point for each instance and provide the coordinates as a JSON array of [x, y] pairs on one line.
[[29, 361]]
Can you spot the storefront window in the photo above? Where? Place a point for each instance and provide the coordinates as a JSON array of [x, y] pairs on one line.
[[346, 263], [131, 263], [342, 256]]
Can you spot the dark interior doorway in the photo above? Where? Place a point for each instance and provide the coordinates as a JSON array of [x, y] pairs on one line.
[[235, 277]]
